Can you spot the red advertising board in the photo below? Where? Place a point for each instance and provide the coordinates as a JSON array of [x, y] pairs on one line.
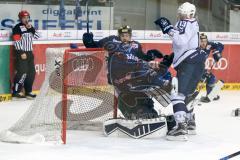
[[226, 69]]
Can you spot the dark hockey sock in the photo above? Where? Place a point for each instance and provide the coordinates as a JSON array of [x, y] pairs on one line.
[[209, 89], [180, 114]]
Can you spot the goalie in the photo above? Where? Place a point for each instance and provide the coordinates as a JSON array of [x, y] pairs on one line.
[[132, 76]]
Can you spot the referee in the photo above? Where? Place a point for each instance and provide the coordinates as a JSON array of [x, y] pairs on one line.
[[23, 35]]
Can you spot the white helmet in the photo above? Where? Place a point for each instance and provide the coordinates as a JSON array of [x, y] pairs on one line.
[[187, 9]]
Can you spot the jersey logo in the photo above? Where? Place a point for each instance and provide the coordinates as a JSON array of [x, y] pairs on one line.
[[132, 57], [182, 26], [23, 28]]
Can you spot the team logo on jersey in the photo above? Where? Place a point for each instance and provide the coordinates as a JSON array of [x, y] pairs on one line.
[[132, 57], [23, 28]]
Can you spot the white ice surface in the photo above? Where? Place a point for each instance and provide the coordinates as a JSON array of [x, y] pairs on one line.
[[218, 136]]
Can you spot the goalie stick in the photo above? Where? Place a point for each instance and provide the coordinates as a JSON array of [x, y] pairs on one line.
[[87, 16], [154, 92]]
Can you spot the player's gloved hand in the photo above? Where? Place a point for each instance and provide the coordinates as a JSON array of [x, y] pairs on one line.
[[167, 60], [162, 69], [164, 24], [30, 28], [87, 39], [153, 53], [217, 55], [207, 75]]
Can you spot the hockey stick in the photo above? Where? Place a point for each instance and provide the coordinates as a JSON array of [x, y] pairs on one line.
[[78, 12], [231, 156], [87, 16], [203, 82], [192, 101]]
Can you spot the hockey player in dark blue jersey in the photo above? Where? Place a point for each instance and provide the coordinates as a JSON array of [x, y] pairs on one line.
[[128, 68], [209, 77]]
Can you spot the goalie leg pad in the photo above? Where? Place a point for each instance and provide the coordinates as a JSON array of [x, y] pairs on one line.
[[142, 128]]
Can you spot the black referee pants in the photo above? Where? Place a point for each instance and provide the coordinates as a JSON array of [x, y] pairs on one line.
[[25, 72]]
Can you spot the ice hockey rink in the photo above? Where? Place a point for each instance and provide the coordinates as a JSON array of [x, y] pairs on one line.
[[61, 25], [218, 136]]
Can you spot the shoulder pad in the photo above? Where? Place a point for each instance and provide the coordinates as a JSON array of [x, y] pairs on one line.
[[114, 38]]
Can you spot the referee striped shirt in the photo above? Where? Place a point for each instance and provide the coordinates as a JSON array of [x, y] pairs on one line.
[[23, 37]]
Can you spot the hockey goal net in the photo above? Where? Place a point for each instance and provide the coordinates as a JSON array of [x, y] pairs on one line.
[[74, 95]]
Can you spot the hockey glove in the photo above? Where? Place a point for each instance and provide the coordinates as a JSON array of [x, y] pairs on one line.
[[217, 55], [206, 75], [153, 53], [167, 60], [88, 40], [164, 24]]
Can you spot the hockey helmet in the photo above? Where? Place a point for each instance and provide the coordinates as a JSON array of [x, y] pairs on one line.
[[23, 13], [125, 29], [187, 9], [203, 36]]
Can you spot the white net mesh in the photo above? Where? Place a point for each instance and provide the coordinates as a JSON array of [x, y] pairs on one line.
[[90, 99]]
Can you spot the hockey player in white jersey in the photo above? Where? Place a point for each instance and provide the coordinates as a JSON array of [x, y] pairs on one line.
[[188, 62]]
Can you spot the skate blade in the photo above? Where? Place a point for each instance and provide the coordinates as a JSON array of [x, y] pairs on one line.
[[18, 99], [177, 138], [192, 132], [30, 98]]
